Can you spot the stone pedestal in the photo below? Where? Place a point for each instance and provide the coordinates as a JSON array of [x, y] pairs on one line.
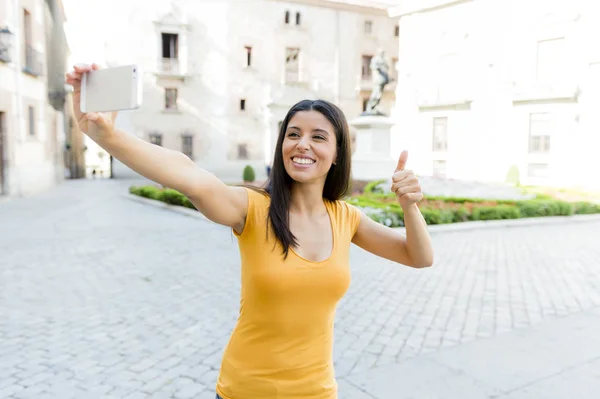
[[372, 159]]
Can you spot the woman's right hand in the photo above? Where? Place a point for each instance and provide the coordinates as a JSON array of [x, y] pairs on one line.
[[94, 124]]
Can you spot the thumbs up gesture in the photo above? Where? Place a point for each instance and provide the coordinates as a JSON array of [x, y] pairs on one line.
[[405, 184]]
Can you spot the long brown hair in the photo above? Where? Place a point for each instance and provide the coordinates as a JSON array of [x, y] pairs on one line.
[[279, 183]]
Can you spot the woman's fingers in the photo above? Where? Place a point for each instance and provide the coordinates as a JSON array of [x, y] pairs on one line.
[[79, 70], [72, 79], [83, 68]]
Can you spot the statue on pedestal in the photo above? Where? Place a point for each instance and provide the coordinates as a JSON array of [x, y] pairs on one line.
[[381, 77]]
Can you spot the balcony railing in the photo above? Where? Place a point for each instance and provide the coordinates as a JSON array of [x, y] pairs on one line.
[[33, 61], [169, 66], [565, 88], [441, 95]]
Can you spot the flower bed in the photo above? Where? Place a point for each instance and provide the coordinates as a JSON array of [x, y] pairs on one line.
[[384, 208]]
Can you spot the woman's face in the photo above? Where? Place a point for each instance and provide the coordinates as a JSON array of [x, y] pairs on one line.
[[309, 147]]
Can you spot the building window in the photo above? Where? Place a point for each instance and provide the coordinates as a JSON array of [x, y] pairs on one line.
[[243, 104], [248, 56], [537, 170], [297, 18], [155, 138], [170, 52], [32, 59], [171, 99], [170, 47], [440, 134], [27, 28], [397, 31], [368, 27], [439, 168], [366, 67], [187, 145], [279, 124], [365, 102], [292, 64], [540, 125], [287, 17], [242, 151], [31, 120]]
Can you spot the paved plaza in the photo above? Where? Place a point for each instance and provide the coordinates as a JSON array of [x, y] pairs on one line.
[[105, 297]]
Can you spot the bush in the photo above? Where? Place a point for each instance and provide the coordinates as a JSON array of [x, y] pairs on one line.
[[373, 187], [173, 197], [565, 208], [188, 204], [495, 212], [538, 208], [151, 192], [512, 176], [464, 200], [461, 214], [432, 216], [586, 208], [249, 175], [388, 217]]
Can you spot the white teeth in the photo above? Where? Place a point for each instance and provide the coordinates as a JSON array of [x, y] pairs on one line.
[[303, 161]]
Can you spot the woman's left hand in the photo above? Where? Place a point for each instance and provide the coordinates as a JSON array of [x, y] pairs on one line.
[[405, 184]]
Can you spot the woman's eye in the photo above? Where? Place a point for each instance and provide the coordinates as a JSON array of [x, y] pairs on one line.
[[292, 134], [320, 137]]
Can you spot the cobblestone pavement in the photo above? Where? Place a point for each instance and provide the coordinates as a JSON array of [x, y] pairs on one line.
[[105, 297]]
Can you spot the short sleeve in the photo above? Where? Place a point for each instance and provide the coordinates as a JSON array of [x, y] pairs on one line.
[[256, 203], [351, 216]]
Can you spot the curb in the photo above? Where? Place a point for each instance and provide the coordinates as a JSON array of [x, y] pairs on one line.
[[436, 228], [507, 223], [160, 204]]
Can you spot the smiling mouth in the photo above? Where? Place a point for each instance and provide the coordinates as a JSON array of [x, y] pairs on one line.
[[303, 161]]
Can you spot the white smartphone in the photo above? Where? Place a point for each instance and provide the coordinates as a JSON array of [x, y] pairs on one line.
[[111, 89]]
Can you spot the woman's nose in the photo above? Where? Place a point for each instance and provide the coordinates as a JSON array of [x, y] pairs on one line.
[[303, 143]]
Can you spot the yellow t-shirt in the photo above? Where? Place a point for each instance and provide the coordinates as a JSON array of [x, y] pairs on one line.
[[281, 347]]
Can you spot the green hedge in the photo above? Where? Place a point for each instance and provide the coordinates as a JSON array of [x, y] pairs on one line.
[[391, 214], [495, 212], [166, 195], [466, 209]]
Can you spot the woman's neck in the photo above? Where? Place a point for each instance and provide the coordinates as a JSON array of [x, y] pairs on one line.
[[307, 198]]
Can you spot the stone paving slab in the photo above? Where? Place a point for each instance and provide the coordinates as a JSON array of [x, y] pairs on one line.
[[521, 357], [555, 359], [595, 311], [416, 379], [582, 382]]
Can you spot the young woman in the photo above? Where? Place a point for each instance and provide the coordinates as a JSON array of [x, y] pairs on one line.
[[294, 238]]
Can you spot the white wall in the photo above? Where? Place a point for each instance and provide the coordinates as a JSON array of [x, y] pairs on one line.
[[31, 165], [493, 87]]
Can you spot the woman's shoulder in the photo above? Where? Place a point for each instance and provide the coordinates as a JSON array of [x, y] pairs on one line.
[[346, 215], [257, 197], [343, 208]]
